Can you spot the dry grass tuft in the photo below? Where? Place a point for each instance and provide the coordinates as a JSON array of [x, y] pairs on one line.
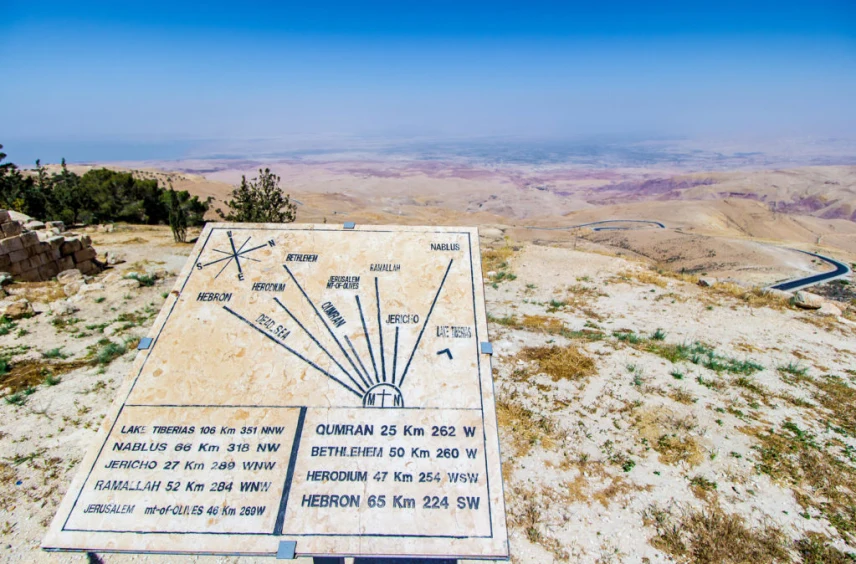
[[711, 536], [826, 322], [525, 429], [817, 477], [39, 291], [644, 276], [670, 435], [494, 259], [23, 375], [682, 395], [545, 324], [816, 549], [542, 323], [561, 363], [753, 297], [7, 488], [840, 399]]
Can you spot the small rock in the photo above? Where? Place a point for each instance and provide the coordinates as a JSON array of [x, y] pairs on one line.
[[706, 282], [5, 278], [807, 300], [72, 287], [159, 274], [114, 258], [63, 307], [91, 288], [111, 278], [17, 310], [127, 283], [829, 308], [491, 274], [67, 276]]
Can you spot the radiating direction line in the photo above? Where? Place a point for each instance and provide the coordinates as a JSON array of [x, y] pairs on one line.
[[368, 341], [353, 350], [424, 325], [320, 346], [318, 313], [380, 332], [235, 251], [395, 355], [295, 353]]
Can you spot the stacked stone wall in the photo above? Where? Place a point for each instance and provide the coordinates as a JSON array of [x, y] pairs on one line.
[[35, 252]]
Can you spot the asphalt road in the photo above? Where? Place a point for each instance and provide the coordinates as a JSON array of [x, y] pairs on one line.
[[841, 269], [657, 223]]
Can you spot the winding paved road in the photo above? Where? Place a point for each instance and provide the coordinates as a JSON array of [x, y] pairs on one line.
[[841, 269], [657, 223]]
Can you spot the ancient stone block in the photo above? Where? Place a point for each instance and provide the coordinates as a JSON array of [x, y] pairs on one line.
[[87, 267], [4, 216], [65, 263], [29, 238], [71, 246], [31, 275], [55, 242], [12, 228], [12, 244], [49, 270], [84, 254], [19, 255]]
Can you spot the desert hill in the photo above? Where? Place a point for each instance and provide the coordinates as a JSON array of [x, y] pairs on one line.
[[722, 215]]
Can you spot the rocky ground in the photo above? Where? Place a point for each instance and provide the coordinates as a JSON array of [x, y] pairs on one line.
[[643, 418]]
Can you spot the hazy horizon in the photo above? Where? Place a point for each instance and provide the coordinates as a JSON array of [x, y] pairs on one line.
[[106, 81]]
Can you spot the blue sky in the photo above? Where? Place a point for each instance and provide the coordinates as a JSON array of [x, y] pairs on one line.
[[169, 72]]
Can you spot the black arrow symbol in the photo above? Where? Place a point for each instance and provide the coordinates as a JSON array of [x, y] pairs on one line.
[[446, 351]]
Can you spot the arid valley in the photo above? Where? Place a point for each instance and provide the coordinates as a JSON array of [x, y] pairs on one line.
[[655, 403]]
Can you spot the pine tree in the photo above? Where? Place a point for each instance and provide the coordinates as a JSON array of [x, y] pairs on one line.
[[260, 200]]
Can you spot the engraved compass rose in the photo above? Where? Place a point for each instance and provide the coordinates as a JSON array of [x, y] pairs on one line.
[[235, 254]]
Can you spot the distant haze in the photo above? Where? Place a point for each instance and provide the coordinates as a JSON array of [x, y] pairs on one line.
[[103, 81]]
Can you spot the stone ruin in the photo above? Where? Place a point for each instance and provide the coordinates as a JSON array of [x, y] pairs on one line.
[[32, 251]]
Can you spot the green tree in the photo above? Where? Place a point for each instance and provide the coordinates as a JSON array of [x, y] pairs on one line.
[[68, 199], [260, 200], [177, 216], [14, 187]]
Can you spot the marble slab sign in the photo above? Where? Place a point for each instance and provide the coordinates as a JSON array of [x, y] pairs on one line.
[[304, 383]]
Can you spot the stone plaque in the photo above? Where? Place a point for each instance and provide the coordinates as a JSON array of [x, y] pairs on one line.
[[304, 383]]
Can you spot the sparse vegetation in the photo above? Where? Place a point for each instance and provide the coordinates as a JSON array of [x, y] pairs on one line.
[[794, 369], [109, 351], [143, 279], [711, 536], [54, 353], [524, 428], [819, 480]]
